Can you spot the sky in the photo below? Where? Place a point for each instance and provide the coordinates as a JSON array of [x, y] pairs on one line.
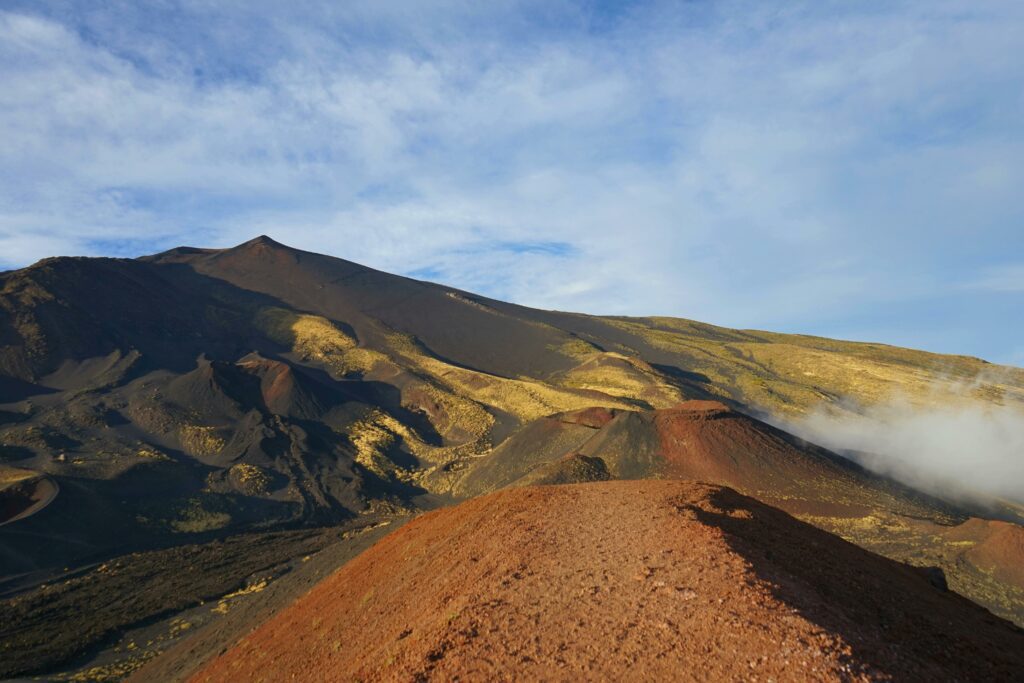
[[847, 169]]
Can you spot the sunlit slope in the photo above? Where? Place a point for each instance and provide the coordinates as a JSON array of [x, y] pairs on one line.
[[200, 391], [622, 581], [791, 374], [651, 360]]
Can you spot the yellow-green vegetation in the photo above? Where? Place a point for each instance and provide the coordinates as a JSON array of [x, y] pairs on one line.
[[193, 518], [224, 604], [375, 436], [357, 361], [622, 376], [252, 479], [150, 453], [577, 348], [449, 413], [117, 671], [178, 626], [792, 374], [524, 397], [372, 439], [202, 441], [311, 336], [315, 338], [387, 507]]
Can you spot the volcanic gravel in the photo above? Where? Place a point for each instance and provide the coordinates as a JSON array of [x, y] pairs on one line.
[[623, 580]]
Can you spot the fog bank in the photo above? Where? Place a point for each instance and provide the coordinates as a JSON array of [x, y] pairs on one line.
[[955, 451]]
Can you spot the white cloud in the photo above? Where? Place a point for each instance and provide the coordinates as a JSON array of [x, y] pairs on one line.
[[957, 448], [761, 166], [1004, 278]]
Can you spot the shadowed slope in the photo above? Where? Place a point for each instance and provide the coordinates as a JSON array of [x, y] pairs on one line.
[[341, 290], [640, 580], [626, 357]]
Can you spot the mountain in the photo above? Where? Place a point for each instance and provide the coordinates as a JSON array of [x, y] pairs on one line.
[[623, 580], [185, 398]]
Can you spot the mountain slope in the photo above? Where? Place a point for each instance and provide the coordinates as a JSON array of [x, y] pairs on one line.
[[707, 441], [196, 394], [268, 385], [640, 580]]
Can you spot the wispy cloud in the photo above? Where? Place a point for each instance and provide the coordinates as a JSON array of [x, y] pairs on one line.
[[1001, 278], [785, 165]]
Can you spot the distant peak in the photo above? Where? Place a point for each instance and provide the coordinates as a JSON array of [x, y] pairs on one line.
[[262, 244], [262, 241]]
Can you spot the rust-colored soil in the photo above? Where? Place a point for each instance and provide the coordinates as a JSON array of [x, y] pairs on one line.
[[589, 417], [623, 580], [706, 440], [998, 547]]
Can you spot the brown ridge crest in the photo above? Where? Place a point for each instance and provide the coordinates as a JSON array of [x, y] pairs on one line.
[[640, 580]]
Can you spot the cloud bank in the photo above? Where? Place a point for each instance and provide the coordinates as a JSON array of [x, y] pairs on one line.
[[836, 168], [960, 451]]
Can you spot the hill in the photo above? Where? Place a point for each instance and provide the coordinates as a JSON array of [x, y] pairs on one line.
[[708, 441], [641, 580]]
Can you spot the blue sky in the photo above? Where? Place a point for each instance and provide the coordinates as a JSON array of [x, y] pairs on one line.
[[850, 169]]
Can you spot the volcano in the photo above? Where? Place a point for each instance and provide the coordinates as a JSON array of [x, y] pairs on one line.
[[196, 402]]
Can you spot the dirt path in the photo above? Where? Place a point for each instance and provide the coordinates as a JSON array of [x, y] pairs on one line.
[[623, 580]]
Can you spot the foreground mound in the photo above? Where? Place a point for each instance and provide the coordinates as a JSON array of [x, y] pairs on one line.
[[625, 579]]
